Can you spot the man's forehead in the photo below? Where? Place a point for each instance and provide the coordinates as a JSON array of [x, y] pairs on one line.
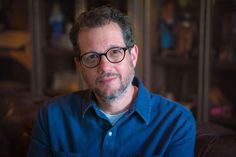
[[100, 38], [111, 29]]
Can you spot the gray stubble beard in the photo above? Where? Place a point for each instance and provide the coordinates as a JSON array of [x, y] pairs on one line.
[[118, 93]]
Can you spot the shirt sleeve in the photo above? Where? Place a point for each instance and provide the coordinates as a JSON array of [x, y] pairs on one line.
[[184, 140], [39, 144]]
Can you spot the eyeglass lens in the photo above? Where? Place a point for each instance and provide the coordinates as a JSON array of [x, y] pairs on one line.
[[113, 55]]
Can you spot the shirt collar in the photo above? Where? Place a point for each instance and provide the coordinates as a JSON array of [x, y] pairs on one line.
[[89, 101], [142, 101], [141, 104]]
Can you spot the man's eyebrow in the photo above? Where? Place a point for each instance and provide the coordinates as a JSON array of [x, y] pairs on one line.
[[91, 51], [110, 47]]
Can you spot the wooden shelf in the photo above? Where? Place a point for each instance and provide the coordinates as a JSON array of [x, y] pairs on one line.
[[228, 122], [176, 61], [224, 66]]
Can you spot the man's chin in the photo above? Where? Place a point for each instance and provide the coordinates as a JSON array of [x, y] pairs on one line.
[[107, 94], [108, 89]]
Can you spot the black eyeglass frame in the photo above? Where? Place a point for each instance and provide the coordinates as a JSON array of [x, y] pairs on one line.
[[105, 54]]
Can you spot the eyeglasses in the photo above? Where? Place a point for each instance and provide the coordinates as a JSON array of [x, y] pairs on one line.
[[113, 55]]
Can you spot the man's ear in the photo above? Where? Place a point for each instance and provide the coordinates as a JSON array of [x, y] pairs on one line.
[[134, 55], [77, 64]]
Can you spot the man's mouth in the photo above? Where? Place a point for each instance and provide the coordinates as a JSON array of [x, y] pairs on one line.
[[106, 78]]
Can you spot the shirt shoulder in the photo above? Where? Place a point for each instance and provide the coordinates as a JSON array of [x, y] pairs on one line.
[[164, 107], [68, 104], [154, 107]]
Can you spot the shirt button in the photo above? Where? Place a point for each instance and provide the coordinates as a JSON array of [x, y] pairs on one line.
[[110, 133]]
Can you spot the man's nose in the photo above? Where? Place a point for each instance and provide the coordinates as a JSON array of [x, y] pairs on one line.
[[104, 63]]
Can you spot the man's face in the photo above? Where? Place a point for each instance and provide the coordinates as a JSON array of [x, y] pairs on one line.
[[107, 80]]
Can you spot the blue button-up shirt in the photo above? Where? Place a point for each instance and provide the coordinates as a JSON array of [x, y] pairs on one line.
[[74, 126]]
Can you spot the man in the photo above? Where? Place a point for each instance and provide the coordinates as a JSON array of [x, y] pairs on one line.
[[117, 116]]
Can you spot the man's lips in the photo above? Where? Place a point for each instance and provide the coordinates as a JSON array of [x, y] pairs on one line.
[[106, 78]]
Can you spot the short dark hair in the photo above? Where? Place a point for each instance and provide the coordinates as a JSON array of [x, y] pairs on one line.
[[101, 16]]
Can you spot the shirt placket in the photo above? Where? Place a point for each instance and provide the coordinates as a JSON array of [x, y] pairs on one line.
[[109, 143]]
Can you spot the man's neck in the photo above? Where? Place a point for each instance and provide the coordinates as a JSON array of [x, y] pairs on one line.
[[121, 104]]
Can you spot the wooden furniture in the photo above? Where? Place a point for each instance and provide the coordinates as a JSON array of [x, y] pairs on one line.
[[16, 45], [204, 77]]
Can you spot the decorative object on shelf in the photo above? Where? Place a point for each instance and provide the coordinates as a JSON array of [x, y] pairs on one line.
[[177, 28], [167, 26], [184, 3], [227, 49], [228, 54], [219, 104], [186, 29], [16, 45], [56, 21], [65, 41]]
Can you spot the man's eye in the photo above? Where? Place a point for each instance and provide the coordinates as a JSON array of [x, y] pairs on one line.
[[115, 52], [91, 57]]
